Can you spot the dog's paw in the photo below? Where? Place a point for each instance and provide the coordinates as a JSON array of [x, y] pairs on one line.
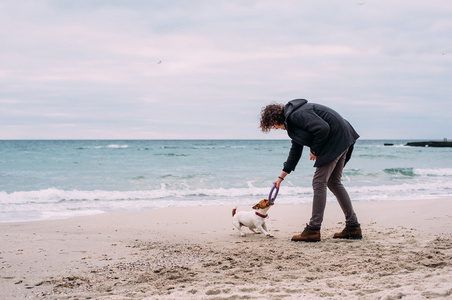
[[242, 234], [270, 235]]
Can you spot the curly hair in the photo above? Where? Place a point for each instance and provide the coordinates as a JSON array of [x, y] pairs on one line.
[[272, 115]]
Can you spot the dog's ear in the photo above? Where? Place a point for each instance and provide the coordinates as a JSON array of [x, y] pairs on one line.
[[262, 204]]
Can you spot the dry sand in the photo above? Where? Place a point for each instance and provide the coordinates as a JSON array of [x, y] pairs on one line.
[[194, 253]]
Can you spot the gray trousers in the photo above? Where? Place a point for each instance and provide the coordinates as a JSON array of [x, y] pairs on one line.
[[330, 176]]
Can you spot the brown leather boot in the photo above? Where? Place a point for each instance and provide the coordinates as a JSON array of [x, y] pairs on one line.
[[349, 232], [308, 235]]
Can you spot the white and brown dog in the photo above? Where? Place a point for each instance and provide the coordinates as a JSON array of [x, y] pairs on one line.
[[252, 219]]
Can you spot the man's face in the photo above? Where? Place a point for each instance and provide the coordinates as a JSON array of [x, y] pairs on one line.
[[279, 126]]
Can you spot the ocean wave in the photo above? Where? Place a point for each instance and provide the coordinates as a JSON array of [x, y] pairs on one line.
[[115, 146], [400, 171], [172, 154], [410, 172], [362, 192], [377, 156], [358, 172], [111, 146], [53, 195], [433, 172], [140, 177], [57, 203]]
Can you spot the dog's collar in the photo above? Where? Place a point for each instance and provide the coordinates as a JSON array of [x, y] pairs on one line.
[[261, 215]]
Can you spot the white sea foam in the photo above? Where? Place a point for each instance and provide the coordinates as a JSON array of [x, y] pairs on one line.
[[433, 172], [56, 203]]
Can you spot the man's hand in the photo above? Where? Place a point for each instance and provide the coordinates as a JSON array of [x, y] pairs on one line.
[[312, 156], [277, 182], [280, 179]]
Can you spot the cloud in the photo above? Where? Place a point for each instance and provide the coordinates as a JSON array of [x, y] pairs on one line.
[[204, 69]]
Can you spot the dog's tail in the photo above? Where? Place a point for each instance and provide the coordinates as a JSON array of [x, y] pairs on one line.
[[234, 210]]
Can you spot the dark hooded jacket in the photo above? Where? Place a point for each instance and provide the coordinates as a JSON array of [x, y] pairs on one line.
[[318, 127]]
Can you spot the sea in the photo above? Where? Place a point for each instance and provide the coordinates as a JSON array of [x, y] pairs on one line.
[[54, 179]]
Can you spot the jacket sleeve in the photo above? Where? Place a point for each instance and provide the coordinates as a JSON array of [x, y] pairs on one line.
[[294, 156], [312, 123]]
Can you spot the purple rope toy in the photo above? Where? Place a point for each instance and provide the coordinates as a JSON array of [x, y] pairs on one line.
[[271, 200]]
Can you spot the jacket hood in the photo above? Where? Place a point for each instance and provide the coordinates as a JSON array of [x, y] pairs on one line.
[[292, 106]]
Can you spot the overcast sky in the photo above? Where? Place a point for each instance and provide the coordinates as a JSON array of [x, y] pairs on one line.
[[84, 69]]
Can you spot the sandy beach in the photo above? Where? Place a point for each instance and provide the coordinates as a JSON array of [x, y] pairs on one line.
[[194, 253]]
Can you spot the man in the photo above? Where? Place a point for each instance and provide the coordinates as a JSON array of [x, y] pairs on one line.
[[331, 139]]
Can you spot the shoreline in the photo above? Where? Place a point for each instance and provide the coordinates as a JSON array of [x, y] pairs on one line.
[[231, 205], [194, 253]]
